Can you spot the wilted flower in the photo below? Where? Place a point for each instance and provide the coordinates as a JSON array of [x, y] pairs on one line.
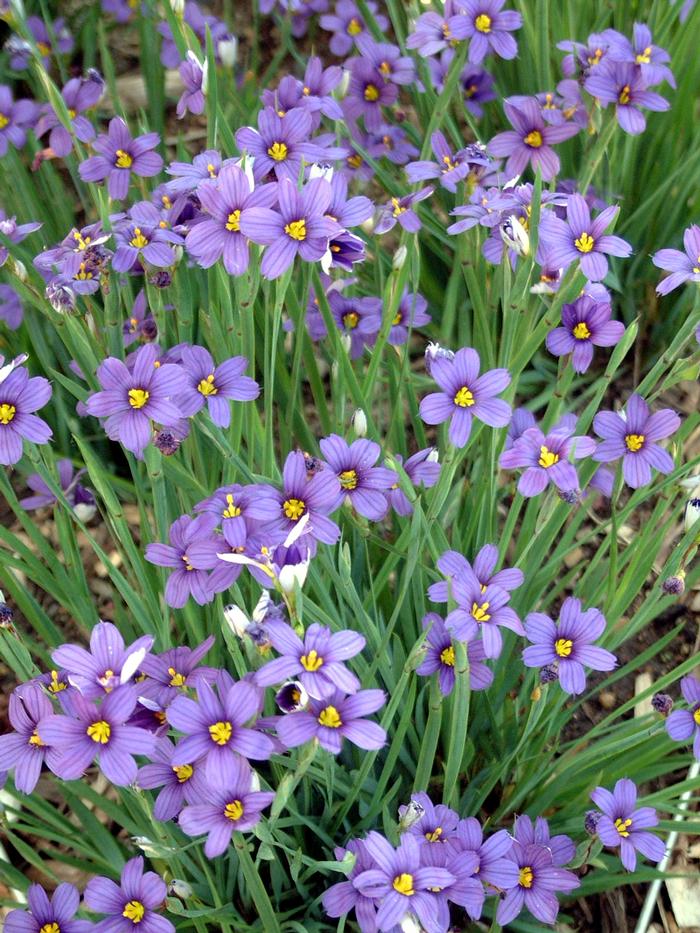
[[193, 76], [662, 703]]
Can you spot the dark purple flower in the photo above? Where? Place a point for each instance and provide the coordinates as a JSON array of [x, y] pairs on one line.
[[633, 435], [10, 307], [214, 729], [48, 916], [24, 750], [440, 658], [107, 664], [684, 267], [301, 226], [89, 730], [454, 564], [133, 904], [482, 610], [120, 154], [489, 29], [400, 210], [131, 398], [334, 718], [465, 395], [368, 92], [494, 868], [538, 882], [583, 59], [684, 724], [16, 117], [346, 24], [224, 808], [79, 95], [181, 784], [423, 469], [434, 32], [317, 661], [477, 85], [530, 140], [363, 483], [214, 385], [192, 551], [20, 397], [623, 824], [192, 98], [625, 86], [585, 323], [359, 318], [545, 458], [218, 232]]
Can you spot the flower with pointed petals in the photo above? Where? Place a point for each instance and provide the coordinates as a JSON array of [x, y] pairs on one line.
[[186, 176], [107, 664], [545, 458], [214, 385], [120, 155], [411, 312], [16, 118], [531, 139], [14, 232], [481, 610], [684, 724], [214, 729], [684, 267], [48, 916], [334, 718], [363, 483], [359, 318], [436, 824], [181, 784], [538, 882], [241, 509], [422, 469], [440, 658], [318, 83], [434, 32], [79, 95], [131, 905], [465, 395], [450, 166], [494, 868], [191, 553], [585, 323], [650, 59], [562, 847], [143, 235], [625, 86], [343, 897], [280, 144], [633, 435], [454, 564], [477, 85], [489, 29], [368, 93], [346, 23], [387, 59], [23, 749], [88, 731], [78, 496], [302, 495], [624, 824], [317, 661], [11, 311], [175, 671], [193, 76], [53, 41], [20, 397], [400, 210]]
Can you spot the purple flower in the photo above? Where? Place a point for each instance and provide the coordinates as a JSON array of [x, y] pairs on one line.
[[684, 267], [301, 227], [454, 564], [218, 232], [422, 469], [14, 232], [440, 658], [131, 398], [434, 32], [192, 75], [241, 509], [494, 868], [10, 307], [482, 610], [359, 318], [89, 731], [368, 92], [563, 848], [348, 212], [684, 724], [144, 236], [317, 661], [214, 729], [301, 495], [79, 95], [343, 897], [280, 143], [80, 498], [387, 59], [586, 323], [545, 458], [139, 324], [20, 397], [191, 553], [346, 24], [186, 177], [530, 140], [538, 882], [181, 784], [23, 749], [132, 904], [625, 86], [633, 435], [214, 385], [106, 665], [477, 86], [623, 825], [316, 89], [436, 823], [174, 671], [48, 916], [120, 154], [22, 54], [451, 167], [16, 117], [402, 882], [649, 58], [568, 644], [400, 210], [489, 29], [363, 483], [334, 718], [227, 808], [465, 395]]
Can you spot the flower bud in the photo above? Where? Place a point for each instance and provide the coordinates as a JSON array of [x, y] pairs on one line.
[[180, 888], [291, 697], [662, 703], [60, 297], [236, 620], [166, 442], [399, 258], [321, 170], [515, 236], [359, 423], [178, 7], [410, 814], [692, 513], [674, 586], [570, 496], [548, 674], [433, 456], [228, 51], [433, 352], [6, 615], [20, 270], [590, 822]]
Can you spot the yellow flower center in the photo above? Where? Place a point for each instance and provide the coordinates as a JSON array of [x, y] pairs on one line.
[[563, 647], [371, 93], [483, 23], [176, 679], [397, 318], [83, 273], [134, 911], [596, 57], [330, 717], [435, 835], [581, 331], [183, 772], [464, 398], [526, 877], [55, 686], [624, 95], [4, 121], [206, 386], [449, 164], [696, 716], [447, 656], [278, 152], [123, 159], [233, 810], [403, 883], [50, 928], [547, 457], [351, 320], [34, 739], [644, 57], [354, 161], [354, 27], [99, 732], [479, 612], [311, 661], [296, 229], [533, 139], [43, 48], [138, 397], [634, 442], [231, 510], [186, 561], [138, 240], [7, 413], [398, 208], [348, 479], [294, 508], [584, 243], [385, 68], [234, 221], [221, 732], [622, 826]]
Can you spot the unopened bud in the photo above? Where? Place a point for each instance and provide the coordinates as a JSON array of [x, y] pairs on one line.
[[6, 615], [291, 697], [20, 270], [662, 703], [228, 51], [321, 170], [434, 352], [359, 423], [433, 456], [674, 586], [178, 7], [399, 258], [692, 513], [166, 442], [590, 822], [60, 297], [410, 814], [236, 620], [180, 888], [515, 236]]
